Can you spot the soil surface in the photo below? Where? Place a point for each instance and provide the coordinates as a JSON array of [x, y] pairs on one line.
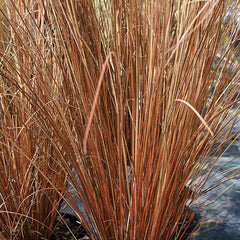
[[67, 227]]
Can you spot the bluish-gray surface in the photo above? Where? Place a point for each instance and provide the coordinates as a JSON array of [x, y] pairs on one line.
[[221, 211]]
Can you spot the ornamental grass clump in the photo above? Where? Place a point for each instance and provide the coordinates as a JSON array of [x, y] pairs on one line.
[[28, 201], [125, 99]]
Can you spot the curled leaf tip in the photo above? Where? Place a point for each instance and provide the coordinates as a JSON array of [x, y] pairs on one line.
[[198, 115]]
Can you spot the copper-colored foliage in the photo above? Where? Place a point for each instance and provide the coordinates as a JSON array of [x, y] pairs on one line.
[[150, 116]]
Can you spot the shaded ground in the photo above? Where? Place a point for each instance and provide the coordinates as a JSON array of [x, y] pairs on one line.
[[62, 229]]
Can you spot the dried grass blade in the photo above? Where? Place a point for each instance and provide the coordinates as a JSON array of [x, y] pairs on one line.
[[197, 113]]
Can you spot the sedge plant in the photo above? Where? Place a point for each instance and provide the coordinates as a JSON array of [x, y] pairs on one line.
[[129, 96], [29, 203]]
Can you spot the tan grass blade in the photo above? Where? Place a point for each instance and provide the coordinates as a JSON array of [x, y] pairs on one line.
[[197, 113]]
